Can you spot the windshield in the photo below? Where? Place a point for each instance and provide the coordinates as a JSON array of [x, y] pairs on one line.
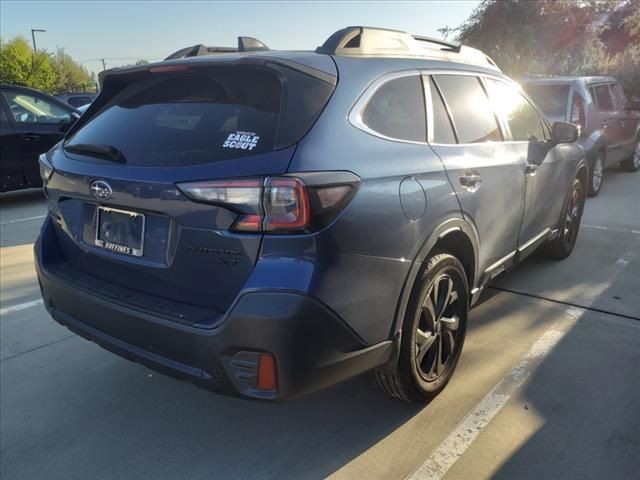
[[206, 116], [552, 99]]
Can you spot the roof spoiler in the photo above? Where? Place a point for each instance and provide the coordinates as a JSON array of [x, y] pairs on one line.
[[245, 44]]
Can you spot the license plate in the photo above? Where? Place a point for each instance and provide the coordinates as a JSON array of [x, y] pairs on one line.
[[120, 231]]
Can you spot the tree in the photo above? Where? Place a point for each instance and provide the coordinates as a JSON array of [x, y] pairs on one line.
[[141, 61], [19, 66], [70, 76], [558, 37]]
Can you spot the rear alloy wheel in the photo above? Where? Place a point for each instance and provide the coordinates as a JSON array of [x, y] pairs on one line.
[[633, 164], [596, 175], [433, 333], [562, 246]]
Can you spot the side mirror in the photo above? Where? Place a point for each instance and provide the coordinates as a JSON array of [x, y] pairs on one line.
[[632, 106], [563, 132]]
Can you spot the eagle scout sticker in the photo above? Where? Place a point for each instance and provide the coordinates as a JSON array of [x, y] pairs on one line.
[[241, 141]]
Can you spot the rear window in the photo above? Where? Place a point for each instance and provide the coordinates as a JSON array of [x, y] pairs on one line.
[[209, 115], [552, 99]]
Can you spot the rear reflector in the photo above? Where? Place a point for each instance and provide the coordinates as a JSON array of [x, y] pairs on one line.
[[267, 379]]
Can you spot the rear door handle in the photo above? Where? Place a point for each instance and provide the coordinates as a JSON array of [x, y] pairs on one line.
[[471, 180], [29, 137]]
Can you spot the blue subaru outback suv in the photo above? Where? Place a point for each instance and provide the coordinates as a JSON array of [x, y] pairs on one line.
[[266, 223]]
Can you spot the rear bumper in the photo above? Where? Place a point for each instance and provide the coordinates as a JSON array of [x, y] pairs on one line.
[[313, 348]]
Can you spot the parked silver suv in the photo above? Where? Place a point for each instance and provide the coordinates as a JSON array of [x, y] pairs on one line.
[[609, 122]]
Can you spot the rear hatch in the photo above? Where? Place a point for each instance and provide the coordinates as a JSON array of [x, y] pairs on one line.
[[118, 214]]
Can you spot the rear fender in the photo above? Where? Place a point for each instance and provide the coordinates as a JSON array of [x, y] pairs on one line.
[[446, 227]]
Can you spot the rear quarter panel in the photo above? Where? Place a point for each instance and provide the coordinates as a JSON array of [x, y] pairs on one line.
[[363, 259]]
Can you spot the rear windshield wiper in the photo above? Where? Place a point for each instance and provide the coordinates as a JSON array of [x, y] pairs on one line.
[[106, 152]]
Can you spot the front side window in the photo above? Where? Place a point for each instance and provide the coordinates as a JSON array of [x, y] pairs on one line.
[[513, 107], [397, 110], [27, 108], [470, 108], [602, 97]]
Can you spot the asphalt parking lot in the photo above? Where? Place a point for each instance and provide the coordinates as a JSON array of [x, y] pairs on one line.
[[548, 385]]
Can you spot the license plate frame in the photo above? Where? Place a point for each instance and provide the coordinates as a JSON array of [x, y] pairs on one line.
[[118, 247]]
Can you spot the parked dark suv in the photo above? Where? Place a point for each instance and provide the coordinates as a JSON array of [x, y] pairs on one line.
[[265, 224], [31, 122], [609, 122]]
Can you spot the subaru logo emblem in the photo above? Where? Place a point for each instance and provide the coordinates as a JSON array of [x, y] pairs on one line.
[[100, 190]]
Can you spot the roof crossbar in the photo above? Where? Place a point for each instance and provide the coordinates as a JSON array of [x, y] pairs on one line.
[[245, 44]]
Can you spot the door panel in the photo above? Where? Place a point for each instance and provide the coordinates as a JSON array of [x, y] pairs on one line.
[[611, 121], [10, 165], [486, 173], [494, 202], [543, 170], [39, 124]]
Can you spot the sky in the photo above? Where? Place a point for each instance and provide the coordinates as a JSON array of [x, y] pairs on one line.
[[122, 31]]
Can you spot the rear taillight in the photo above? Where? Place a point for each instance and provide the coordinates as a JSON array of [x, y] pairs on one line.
[[46, 168], [278, 204], [577, 111]]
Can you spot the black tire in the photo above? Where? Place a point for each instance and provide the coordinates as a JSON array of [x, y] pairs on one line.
[[569, 225], [436, 320], [632, 164], [596, 174]]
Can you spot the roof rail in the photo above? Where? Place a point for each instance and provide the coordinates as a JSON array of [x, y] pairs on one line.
[[370, 41], [245, 44]]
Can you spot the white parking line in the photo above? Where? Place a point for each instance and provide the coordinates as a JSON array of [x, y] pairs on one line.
[[39, 217], [461, 438], [611, 229], [21, 306]]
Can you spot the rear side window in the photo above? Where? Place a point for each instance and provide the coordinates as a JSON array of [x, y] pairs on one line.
[[472, 114], [208, 115], [442, 128], [619, 98], [519, 114], [552, 99], [602, 97], [397, 110]]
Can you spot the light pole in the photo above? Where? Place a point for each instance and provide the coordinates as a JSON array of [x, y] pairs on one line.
[[33, 37]]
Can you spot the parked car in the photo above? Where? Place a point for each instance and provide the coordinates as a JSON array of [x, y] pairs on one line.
[[251, 224], [31, 122], [77, 99], [608, 121]]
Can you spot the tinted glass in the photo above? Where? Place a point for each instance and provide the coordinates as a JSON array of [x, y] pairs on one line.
[[511, 105], [472, 114], [552, 99], [206, 116], [27, 108], [78, 101], [619, 98], [442, 129], [602, 97], [397, 110]]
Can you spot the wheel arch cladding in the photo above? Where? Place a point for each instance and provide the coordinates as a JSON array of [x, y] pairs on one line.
[[458, 244]]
